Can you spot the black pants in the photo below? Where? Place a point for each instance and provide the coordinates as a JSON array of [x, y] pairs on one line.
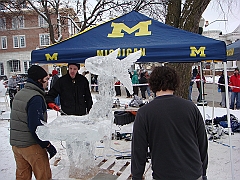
[[143, 89], [12, 93], [135, 90], [118, 90], [128, 93]]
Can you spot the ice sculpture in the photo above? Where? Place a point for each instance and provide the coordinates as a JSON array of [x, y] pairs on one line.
[[108, 67], [2, 89], [82, 132]]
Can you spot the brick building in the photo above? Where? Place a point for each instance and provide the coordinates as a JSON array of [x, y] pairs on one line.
[[22, 33]]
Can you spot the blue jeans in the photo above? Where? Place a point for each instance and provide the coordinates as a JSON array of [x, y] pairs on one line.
[[148, 91], [57, 100], [190, 93], [235, 95]]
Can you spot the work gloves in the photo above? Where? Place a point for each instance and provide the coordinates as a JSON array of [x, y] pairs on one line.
[[51, 150], [54, 106], [204, 177]]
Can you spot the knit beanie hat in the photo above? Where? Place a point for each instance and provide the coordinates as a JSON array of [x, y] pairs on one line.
[[78, 65], [36, 72]]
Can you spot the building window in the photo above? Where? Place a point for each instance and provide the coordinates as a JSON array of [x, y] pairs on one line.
[[4, 42], [22, 4], [19, 41], [2, 23], [1, 69], [42, 22], [17, 22], [2, 7], [26, 65], [14, 66], [44, 39]]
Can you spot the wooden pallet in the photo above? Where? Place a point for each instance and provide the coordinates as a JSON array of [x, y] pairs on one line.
[[122, 168]]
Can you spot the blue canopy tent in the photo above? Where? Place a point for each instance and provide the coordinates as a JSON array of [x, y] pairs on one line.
[[132, 32], [233, 51]]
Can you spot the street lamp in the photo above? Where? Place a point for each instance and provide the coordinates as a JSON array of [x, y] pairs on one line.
[[207, 22]]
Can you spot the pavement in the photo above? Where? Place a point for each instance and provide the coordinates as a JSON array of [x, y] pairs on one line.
[[212, 95]]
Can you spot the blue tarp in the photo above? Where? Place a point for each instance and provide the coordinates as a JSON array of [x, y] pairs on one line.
[[233, 51], [131, 32]]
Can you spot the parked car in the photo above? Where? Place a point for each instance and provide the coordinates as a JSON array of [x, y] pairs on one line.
[[4, 80], [3, 77]]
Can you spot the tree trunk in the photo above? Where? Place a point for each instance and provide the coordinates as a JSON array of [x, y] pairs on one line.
[[184, 71], [187, 19]]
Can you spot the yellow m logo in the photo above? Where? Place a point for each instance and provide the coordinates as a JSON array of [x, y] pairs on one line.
[[53, 57], [230, 52], [200, 51], [141, 26]]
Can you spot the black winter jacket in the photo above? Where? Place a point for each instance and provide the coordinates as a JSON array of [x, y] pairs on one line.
[[75, 95], [221, 82]]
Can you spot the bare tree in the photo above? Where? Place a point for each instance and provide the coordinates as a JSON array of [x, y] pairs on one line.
[[87, 12], [185, 15]]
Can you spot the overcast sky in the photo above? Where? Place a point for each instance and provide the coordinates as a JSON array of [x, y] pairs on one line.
[[215, 12]]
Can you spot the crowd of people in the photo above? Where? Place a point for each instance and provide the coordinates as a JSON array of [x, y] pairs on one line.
[[29, 108], [14, 84], [140, 84], [233, 83]]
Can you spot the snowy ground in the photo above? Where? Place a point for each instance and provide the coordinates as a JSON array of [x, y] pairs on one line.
[[220, 157]]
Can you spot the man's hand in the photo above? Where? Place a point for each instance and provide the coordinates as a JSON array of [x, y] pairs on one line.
[[54, 106], [51, 150]]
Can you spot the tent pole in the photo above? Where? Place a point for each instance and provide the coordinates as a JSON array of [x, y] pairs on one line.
[[228, 115], [203, 99], [213, 106]]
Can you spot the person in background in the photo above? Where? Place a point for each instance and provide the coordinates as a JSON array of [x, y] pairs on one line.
[[128, 93], [20, 81], [190, 88], [195, 72], [54, 78], [172, 128], [94, 83], [148, 88], [143, 80], [221, 86], [12, 87], [135, 82], [49, 81], [87, 75], [199, 86], [118, 88], [74, 92], [235, 86], [53, 81], [28, 110]]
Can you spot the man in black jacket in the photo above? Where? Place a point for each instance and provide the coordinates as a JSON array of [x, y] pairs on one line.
[[221, 86], [174, 131], [73, 89]]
